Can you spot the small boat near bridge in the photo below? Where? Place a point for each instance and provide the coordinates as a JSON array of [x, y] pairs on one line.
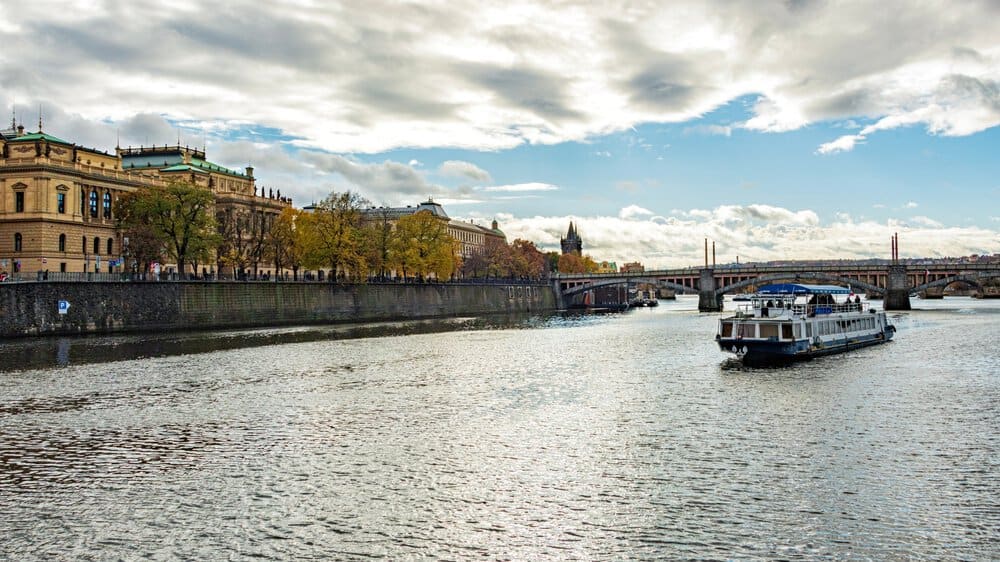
[[791, 321]]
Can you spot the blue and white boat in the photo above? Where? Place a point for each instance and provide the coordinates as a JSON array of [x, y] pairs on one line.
[[792, 321]]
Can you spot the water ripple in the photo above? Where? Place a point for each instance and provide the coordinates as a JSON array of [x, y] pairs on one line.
[[582, 437]]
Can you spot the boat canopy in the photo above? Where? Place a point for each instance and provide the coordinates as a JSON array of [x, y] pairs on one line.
[[802, 289]]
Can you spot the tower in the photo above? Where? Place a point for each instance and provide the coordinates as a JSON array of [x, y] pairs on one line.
[[572, 244]]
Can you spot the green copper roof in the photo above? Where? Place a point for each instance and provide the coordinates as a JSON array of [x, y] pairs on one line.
[[182, 168], [39, 136], [205, 165]]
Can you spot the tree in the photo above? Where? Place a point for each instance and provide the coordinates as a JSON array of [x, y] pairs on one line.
[[475, 265], [177, 215], [421, 245], [527, 260], [285, 244], [571, 263], [140, 242], [552, 259], [332, 235], [376, 239], [245, 233], [498, 258]]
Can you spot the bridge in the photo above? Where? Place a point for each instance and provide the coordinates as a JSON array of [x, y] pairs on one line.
[[893, 281]]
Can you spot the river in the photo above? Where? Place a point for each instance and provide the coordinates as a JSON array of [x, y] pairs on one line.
[[589, 437]]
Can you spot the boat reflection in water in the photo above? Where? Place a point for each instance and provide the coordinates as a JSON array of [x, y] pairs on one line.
[[791, 321]]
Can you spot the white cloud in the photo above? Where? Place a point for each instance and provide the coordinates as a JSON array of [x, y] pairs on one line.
[[367, 77], [633, 211], [926, 221], [911, 205], [763, 233], [717, 130], [458, 168], [533, 186]]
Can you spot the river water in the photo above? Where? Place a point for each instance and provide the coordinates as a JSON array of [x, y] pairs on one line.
[[589, 437]]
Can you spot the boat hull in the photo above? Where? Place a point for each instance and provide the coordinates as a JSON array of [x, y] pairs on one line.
[[765, 352]]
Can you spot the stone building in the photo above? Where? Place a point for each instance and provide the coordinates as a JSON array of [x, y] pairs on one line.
[[572, 244], [472, 238], [57, 198]]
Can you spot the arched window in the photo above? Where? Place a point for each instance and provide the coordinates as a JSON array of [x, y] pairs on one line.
[[111, 245], [17, 241], [97, 245], [62, 242], [107, 204], [93, 203]]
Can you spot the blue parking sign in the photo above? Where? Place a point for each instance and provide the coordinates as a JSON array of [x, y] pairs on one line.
[[63, 307]]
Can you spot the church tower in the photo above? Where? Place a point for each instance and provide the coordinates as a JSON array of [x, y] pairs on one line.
[[572, 244]]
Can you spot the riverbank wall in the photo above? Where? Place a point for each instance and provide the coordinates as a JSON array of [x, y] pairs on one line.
[[33, 309]]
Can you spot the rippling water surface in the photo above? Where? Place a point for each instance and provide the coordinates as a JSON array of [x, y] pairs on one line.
[[562, 437]]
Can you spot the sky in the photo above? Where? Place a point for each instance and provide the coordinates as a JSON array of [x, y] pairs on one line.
[[779, 130]]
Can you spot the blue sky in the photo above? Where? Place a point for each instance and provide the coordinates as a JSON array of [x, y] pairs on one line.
[[781, 130]]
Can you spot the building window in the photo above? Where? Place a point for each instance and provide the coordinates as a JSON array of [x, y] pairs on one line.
[[111, 245], [93, 203], [85, 245], [62, 267], [107, 204], [19, 201], [17, 241], [61, 202], [97, 245], [62, 242], [83, 201]]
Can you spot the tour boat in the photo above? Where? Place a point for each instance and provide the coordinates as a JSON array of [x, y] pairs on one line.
[[792, 321]]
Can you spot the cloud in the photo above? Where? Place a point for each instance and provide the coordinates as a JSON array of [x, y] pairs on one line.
[[926, 221], [911, 205], [387, 182], [520, 187], [368, 77], [458, 168], [712, 130], [634, 211], [762, 233]]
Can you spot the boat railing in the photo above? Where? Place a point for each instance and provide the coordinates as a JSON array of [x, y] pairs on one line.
[[758, 309], [835, 308]]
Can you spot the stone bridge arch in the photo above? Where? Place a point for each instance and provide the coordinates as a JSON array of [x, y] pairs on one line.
[[974, 279], [623, 281], [800, 278]]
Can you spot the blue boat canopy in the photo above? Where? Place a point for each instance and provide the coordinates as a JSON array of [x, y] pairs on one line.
[[801, 289]]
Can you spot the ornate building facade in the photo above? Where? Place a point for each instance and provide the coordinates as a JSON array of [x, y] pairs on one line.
[[57, 198]]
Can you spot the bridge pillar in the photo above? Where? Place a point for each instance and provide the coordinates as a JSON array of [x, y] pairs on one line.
[[897, 289], [707, 300], [557, 289]]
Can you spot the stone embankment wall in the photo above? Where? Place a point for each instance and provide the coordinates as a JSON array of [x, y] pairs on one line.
[[28, 309]]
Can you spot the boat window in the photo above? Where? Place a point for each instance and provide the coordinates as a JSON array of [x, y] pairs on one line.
[[769, 330], [797, 330], [809, 330], [727, 329], [786, 331], [747, 331]]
